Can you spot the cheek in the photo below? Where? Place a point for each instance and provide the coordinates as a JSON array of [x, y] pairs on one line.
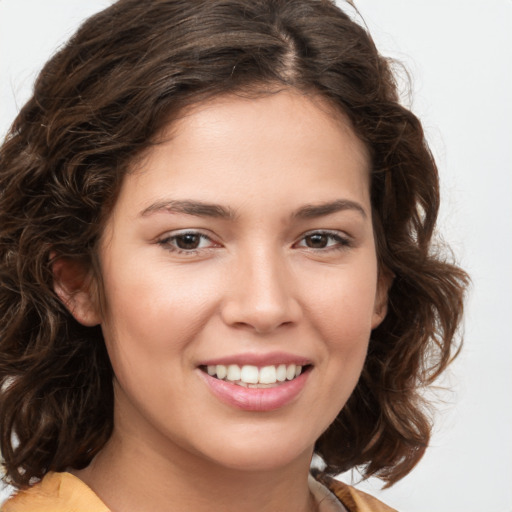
[[152, 312], [342, 304], [341, 318]]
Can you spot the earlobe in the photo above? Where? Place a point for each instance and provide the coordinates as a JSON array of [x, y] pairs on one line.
[[73, 284]]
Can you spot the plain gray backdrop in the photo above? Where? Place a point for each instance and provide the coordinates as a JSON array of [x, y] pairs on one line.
[[460, 59]]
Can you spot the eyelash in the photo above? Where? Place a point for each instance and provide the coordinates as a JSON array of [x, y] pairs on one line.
[[340, 242], [169, 242]]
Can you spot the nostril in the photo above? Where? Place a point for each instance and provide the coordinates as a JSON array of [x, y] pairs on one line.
[[262, 319]]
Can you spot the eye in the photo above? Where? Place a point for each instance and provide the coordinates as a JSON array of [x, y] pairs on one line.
[[187, 242], [319, 240]]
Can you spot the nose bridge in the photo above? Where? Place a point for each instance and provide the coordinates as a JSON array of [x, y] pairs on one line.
[[261, 293]]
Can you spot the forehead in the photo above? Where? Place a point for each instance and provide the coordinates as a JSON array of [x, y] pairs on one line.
[[285, 140], [270, 117]]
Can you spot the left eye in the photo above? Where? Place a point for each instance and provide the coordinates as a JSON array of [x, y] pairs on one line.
[[322, 240], [188, 241]]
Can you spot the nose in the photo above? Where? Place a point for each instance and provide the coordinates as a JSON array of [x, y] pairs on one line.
[[261, 294]]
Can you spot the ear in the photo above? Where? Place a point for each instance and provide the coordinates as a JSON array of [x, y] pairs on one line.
[[384, 282], [73, 283]]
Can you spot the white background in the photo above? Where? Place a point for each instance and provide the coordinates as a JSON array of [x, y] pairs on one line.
[[459, 54]]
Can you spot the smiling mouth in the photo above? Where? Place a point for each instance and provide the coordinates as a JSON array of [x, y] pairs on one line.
[[249, 376]]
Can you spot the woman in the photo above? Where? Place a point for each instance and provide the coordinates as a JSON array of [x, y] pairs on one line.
[[216, 225]]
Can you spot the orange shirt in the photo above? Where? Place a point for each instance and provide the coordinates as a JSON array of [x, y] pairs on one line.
[[63, 492], [56, 492]]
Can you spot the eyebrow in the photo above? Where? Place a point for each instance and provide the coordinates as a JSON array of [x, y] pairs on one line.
[[312, 211], [200, 209], [196, 208]]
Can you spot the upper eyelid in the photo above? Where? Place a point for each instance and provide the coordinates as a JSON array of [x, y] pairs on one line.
[[214, 239], [329, 232], [207, 234], [323, 231], [344, 240], [174, 233]]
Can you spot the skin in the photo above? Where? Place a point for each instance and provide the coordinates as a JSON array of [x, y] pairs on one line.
[[257, 283]]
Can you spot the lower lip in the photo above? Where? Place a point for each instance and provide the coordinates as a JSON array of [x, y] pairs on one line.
[[256, 399]]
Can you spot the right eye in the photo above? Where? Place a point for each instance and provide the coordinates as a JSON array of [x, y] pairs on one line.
[[187, 242]]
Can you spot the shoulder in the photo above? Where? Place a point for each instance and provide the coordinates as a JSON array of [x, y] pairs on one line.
[[56, 492], [63, 492], [355, 500]]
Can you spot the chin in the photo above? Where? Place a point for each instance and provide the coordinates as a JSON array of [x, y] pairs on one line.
[[261, 452]]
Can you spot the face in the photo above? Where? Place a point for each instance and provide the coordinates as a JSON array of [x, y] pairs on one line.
[[241, 282]]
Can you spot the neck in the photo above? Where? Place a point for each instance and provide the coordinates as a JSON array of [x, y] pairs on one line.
[[129, 475]]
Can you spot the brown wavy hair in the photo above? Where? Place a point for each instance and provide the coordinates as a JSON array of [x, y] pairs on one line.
[[101, 100]]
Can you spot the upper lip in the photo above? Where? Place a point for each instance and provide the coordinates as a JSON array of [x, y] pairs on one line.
[[269, 359]]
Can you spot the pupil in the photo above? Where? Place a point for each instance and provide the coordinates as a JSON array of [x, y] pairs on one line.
[[317, 241], [188, 241]]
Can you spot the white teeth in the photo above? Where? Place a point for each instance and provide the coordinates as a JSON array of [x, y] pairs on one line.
[[233, 372], [290, 372], [221, 371], [249, 374], [281, 373], [268, 375], [254, 377]]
